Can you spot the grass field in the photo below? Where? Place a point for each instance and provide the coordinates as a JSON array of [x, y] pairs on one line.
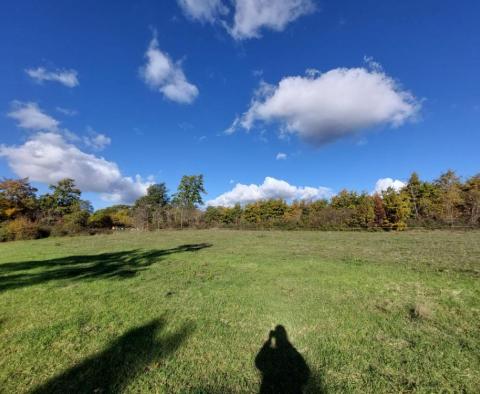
[[189, 311]]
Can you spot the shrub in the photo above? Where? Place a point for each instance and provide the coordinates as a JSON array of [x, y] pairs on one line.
[[100, 220], [3, 234], [122, 218], [22, 228], [72, 223]]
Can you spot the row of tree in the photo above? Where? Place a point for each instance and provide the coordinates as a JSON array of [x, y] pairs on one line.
[[447, 201], [62, 211]]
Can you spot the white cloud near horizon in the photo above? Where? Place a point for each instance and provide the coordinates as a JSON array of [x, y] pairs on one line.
[[48, 157], [162, 74], [65, 77], [323, 107], [248, 17], [50, 154], [31, 117], [384, 183], [271, 188]]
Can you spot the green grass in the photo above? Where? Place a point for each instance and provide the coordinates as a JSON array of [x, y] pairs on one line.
[[188, 311]]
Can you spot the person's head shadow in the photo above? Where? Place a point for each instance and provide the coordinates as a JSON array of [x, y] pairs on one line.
[[282, 367]]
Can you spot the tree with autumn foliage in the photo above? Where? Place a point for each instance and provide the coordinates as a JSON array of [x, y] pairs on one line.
[[17, 198]]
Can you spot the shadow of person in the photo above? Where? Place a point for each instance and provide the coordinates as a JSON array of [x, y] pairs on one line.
[[283, 368]]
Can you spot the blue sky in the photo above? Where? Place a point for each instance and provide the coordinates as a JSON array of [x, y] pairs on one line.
[[393, 87]]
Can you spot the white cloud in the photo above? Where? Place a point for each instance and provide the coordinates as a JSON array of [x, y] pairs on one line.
[[384, 183], [96, 140], [321, 108], [312, 72], [271, 188], [30, 116], [253, 15], [47, 157], [249, 16], [65, 77], [67, 111], [162, 74], [281, 156], [203, 10]]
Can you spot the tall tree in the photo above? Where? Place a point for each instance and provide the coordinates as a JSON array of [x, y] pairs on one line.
[[157, 196], [471, 197], [189, 194], [397, 208], [364, 213], [150, 209], [379, 210], [414, 189], [450, 196], [65, 196]]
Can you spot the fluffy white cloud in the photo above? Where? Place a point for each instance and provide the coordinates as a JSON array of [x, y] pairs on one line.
[[270, 188], [281, 156], [166, 76], [249, 16], [65, 77], [321, 108], [203, 10], [253, 15], [48, 157], [30, 116], [384, 183]]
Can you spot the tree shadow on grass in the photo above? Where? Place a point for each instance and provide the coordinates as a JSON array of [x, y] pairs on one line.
[[283, 368], [123, 264], [127, 357]]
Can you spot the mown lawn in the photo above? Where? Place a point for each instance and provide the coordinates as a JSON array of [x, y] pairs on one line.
[[189, 311]]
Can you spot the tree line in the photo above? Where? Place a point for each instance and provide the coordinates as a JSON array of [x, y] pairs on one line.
[[445, 202]]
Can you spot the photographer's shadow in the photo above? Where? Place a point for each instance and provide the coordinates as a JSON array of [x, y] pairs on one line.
[[283, 368]]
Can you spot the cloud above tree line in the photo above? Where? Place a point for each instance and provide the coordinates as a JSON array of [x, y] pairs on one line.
[[385, 183], [271, 188], [323, 107], [50, 154]]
